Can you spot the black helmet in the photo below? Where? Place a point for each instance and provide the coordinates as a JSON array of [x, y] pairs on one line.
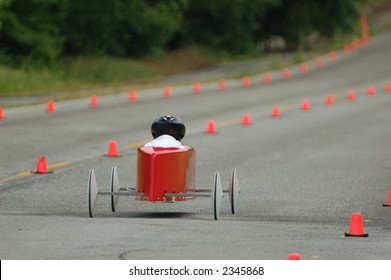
[[168, 125]]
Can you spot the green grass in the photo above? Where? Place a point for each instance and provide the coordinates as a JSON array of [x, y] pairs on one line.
[[15, 82], [73, 74], [77, 77], [105, 71]]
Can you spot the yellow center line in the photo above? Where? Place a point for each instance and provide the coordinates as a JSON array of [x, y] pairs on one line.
[[29, 173], [284, 108], [337, 96], [229, 122], [288, 108], [24, 174], [50, 167], [226, 123], [138, 144], [59, 165], [5, 180]]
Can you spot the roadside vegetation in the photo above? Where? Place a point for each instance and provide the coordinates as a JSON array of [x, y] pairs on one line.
[[67, 46]]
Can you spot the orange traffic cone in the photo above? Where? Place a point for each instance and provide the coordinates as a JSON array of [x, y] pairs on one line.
[[50, 107], [132, 96], [351, 95], [113, 151], [276, 112], [211, 127], [305, 106], [303, 68], [94, 101], [222, 85], [319, 62], [293, 256], [346, 49], [371, 90], [286, 73], [41, 166], [387, 88], [246, 82], [1, 114], [267, 79], [167, 92], [329, 100], [333, 55], [389, 201], [196, 88], [356, 226], [246, 119]]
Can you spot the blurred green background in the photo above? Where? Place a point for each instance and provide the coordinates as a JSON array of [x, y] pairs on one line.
[[50, 45]]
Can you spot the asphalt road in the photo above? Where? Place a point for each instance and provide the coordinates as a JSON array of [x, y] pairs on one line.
[[302, 175]]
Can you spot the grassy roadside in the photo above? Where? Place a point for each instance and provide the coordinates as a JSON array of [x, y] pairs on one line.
[[72, 74], [83, 76]]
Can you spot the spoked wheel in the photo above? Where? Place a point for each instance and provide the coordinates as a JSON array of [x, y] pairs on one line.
[[92, 192], [114, 187], [234, 190], [217, 195]]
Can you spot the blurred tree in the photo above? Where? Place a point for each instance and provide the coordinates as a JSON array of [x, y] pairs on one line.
[[88, 26], [39, 31], [30, 32], [233, 25], [333, 18], [296, 20], [149, 25], [3, 5], [121, 27]]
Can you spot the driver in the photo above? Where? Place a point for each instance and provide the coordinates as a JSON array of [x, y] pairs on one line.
[[167, 132]]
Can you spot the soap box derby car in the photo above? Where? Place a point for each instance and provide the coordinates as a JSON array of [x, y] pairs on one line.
[[164, 175]]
